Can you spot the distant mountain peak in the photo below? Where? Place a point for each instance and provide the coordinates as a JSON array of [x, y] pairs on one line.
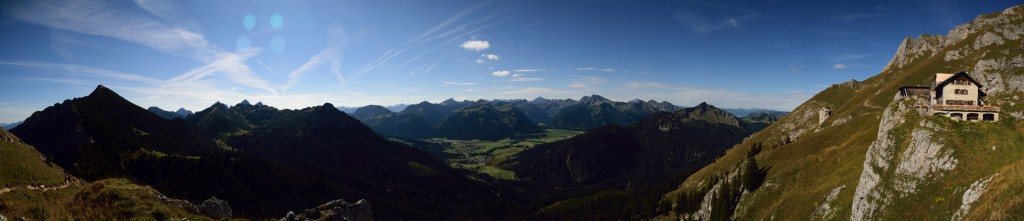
[[593, 99], [102, 91], [449, 101], [704, 105], [244, 102], [260, 104], [329, 105]]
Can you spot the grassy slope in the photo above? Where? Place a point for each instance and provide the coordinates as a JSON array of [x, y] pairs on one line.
[[802, 173], [21, 164], [22, 173]]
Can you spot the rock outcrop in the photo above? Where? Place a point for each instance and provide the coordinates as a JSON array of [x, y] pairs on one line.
[[215, 208], [212, 207], [335, 210]]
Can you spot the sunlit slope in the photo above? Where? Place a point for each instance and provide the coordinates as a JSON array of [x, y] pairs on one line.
[[918, 168], [21, 164]]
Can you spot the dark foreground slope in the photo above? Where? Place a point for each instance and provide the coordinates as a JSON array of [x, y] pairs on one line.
[[36, 189], [626, 162], [265, 163]]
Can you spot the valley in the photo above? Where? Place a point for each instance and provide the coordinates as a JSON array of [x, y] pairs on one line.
[[490, 158]]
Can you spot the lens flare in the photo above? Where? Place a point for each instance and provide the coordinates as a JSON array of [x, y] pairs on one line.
[[249, 22], [276, 21]]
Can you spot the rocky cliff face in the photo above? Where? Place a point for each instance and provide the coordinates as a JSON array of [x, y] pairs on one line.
[[877, 158]]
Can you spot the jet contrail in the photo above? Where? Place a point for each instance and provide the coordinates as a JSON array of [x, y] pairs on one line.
[[265, 65]]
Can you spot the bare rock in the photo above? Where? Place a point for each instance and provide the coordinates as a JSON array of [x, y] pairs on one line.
[[335, 210], [215, 208], [987, 39], [972, 194]]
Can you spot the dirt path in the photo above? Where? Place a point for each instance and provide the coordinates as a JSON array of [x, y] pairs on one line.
[[67, 183]]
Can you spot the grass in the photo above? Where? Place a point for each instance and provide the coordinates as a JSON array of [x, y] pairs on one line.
[[489, 157], [803, 172], [111, 199], [21, 164]]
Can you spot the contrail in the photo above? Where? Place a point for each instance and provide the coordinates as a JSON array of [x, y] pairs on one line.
[[264, 65]]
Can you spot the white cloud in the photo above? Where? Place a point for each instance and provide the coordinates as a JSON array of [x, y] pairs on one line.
[[595, 69], [531, 70], [479, 61], [475, 45], [845, 57], [492, 57], [580, 81], [646, 85], [459, 83], [517, 75], [519, 79], [501, 73], [539, 91], [839, 66]]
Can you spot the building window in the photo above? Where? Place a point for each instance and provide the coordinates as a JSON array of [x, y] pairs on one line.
[[960, 91]]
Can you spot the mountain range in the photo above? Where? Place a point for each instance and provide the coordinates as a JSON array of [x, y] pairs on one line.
[[273, 160], [267, 161], [588, 113]]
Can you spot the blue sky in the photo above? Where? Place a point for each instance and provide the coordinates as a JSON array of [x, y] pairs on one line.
[[294, 54]]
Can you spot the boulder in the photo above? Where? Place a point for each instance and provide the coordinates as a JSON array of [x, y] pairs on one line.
[[215, 208]]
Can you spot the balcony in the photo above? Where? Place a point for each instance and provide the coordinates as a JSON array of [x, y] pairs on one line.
[[965, 108]]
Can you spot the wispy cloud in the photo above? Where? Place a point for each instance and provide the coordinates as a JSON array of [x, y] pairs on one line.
[[595, 69], [846, 57], [522, 79], [80, 69], [699, 23], [492, 57], [795, 68], [168, 11], [437, 32], [538, 91], [426, 68], [232, 67], [333, 55], [636, 84], [857, 17], [100, 18], [459, 83], [531, 70], [839, 66], [580, 81]]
